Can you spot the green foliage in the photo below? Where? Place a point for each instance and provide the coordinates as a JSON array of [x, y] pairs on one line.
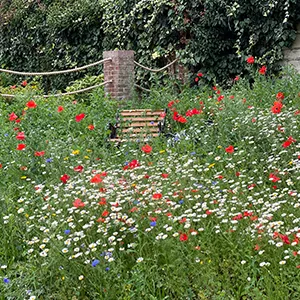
[[211, 36], [231, 250], [50, 35]]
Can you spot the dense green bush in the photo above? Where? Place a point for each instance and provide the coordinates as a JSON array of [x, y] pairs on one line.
[[50, 35], [213, 37]]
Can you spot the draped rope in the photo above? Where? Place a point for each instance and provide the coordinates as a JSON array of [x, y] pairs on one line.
[[156, 70], [56, 72], [142, 88], [61, 94]]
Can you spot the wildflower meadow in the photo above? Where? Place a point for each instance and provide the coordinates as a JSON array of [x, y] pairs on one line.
[[211, 210]]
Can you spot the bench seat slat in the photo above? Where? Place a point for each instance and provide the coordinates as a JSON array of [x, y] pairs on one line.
[[140, 124], [141, 119], [142, 113], [139, 130]]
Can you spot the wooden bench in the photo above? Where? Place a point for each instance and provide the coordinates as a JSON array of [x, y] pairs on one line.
[[138, 125]]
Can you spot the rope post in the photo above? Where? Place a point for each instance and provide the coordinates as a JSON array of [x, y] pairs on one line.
[[119, 72]]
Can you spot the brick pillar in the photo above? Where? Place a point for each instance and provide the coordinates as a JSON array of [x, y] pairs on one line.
[[121, 71]]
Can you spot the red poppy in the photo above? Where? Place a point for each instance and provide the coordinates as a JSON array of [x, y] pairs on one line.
[[183, 237], [164, 175], [64, 178], [105, 213], [276, 108], [182, 221], [21, 147], [182, 119], [229, 149], [39, 153], [196, 79], [175, 115], [96, 179], [147, 149], [280, 96], [78, 168], [79, 117], [192, 112], [24, 83], [31, 104], [250, 60], [288, 142], [102, 201], [285, 239], [20, 136], [200, 74], [0, 166], [157, 196], [91, 127], [78, 203], [237, 78], [60, 109], [171, 103], [13, 116], [220, 98], [263, 70], [133, 164], [273, 177]]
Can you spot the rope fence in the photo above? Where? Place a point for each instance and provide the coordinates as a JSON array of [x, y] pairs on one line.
[[156, 70], [55, 72], [79, 69], [142, 88], [62, 94]]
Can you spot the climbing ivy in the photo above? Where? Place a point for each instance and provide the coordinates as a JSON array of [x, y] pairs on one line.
[[210, 36]]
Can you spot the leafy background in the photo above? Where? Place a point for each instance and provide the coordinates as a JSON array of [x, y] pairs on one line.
[[213, 36]]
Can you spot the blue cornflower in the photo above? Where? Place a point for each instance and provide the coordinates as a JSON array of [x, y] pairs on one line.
[[214, 182], [95, 262], [107, 269], [180, 202], [193, 153], [6, 280], [6, 134], [49, 160], [153, 223], [67, 231]]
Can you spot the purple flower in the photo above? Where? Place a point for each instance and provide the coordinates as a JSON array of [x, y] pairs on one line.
[[153, 223], [6, 280], [95, 262], [67, 231]]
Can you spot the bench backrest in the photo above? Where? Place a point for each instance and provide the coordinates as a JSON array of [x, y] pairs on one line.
[[138, 124]]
